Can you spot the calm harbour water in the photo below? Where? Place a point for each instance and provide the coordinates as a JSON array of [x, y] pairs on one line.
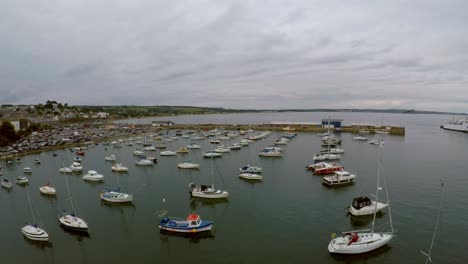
[[287, 218]]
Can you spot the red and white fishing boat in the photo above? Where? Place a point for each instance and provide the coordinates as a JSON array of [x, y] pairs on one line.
[[324, 168]]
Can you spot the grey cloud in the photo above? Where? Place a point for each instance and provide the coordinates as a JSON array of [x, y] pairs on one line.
[[235, 54]]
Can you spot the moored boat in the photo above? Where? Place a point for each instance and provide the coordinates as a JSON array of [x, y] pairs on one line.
[[324, 168], [250, 176], [339, 178], [115, 196], [192, 224], [119, 168], [47, 189], [92, 175], [35, 233], [72, 222], [188, 165]]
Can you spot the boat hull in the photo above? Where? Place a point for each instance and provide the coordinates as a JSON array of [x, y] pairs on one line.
[[372, 242], [34, 233]]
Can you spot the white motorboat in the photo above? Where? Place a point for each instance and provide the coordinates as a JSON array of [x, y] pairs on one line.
[[281, 141], [6, 184], [27, 170], [206, 191], [215, 141], [221, 149], [211, 154], [457, 125], [250, 176], [149, 148], [374, 142], [21, 180], [35, 233], [271, 153], [115, 196], [193, 146], [365, 206], [77, 159], [36, 161], [119, 168], [357, 242], [65, 170], [144, 162], [73, 222], [168, 153], [139, 153], [188, 165], [325, 156], [76, 166], [110, 158], [339, 178], [92, 175], [250, 169], [47, 190]]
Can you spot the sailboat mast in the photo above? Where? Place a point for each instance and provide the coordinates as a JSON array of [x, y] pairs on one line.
[[69, 193], [377, 187], [212, 173], [30, 205]]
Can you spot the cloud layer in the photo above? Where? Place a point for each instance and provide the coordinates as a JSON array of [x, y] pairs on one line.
[[238, 54]]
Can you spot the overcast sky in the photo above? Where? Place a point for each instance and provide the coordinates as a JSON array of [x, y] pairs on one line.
[[236, 54]]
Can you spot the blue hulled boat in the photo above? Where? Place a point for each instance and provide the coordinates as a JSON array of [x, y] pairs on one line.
[[193, 224]]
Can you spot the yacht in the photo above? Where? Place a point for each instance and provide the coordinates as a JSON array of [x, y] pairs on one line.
[[365, 206], [92, 175], [35, 233], [270, 153], [206, 191], [139, 153], [250, 169], [339, 178], [21, 180], [221, 149], [250, 176], [457, 125], [76, 166], [149, 148], [326, 156], [324, 168], [47, 189], [115, 196], [27, 170], [6, 184], [73, 222], [360, 138], [182, 150]]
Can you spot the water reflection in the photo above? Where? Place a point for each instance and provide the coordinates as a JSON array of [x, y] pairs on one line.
[[38, 244], [361, 258], [365, 220], [192, 238], [78, 235], [195, 202]]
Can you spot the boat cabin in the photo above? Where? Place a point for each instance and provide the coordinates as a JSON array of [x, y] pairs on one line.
[[361, 202], [194, 220]]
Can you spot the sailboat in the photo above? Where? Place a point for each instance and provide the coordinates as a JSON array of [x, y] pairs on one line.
[[206, 191], [250, 172], [70, 220], [382, 129], [329, 139], [356, 242], [32, 231]]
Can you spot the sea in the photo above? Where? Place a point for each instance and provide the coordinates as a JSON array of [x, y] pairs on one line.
[[289, 217]]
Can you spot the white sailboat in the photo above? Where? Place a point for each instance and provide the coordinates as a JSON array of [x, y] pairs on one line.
[[70, 220], [32, 231], [206, 191], [356, 242]]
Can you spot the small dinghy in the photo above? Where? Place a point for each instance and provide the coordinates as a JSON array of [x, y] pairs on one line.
[[35, 233], [115, 196], [47, 189], [36, 161], [92, 175], [72, 222], [193, 224], [211, 154], [193, 146], [27, 170]]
